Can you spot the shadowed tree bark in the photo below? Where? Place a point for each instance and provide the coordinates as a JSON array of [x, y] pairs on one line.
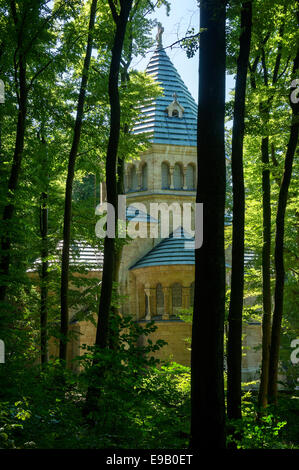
[[23, 17], [279, 241], [22, 93], [234, 344], [108, 276], [44, 278], [266, 275], [207, 385], [266, 252], [44, 262], [69, 188], [125, 78], [121, 21]]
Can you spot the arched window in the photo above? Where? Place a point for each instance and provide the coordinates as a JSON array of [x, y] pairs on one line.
[[132, 178], [160, 299], [176, 291], [177, 177], [190, 177], [165, 176], [192, 294], [175, 113], [144, 177]]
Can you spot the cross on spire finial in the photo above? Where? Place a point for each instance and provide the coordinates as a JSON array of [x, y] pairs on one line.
[[160, 34], [175, 96]]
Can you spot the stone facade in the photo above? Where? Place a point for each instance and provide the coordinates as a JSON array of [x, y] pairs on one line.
[[143, 288], [151, 287]]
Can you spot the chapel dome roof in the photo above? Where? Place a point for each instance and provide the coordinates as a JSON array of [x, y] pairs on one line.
[[171, 118]]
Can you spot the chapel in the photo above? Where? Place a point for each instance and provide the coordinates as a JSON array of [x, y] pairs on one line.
[[156, 277], [156, 273]]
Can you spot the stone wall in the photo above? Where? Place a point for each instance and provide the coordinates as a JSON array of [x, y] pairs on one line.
[[177, 334]]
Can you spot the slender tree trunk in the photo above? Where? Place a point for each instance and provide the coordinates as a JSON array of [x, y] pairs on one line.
[[108, 276], [207, 356], [69, 187], [43, 226], [266, 264], [9, 209], [121, 21], [44, 278], [113, 337], [266, 252], [279, 240], [234, 344]]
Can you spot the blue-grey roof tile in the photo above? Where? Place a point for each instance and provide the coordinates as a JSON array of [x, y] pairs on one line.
[[138, 215], [178, 248], [155, 121]]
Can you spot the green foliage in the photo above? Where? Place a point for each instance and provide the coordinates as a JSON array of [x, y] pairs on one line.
[[256, 432], [140, 405], [190, 43], [142, 402]]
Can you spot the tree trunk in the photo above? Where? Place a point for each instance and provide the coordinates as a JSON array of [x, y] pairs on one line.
[[109, 266], [69, 188], [207, 385], [234, 344], [111, 162], [266, 253], [113, 336], [9, 209], [44, 278], [279, 240], [266, 263]]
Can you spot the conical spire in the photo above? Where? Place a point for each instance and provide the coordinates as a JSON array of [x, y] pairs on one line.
[[172, 118]]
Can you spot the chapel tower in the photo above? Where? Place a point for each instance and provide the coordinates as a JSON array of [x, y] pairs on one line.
[[157, 274]]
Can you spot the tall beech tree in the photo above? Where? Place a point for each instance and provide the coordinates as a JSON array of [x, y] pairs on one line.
[[234, 344], [269, 79], [108, 275], [279, 243], [207, 384], [43, 218], [121, 21], [20, 19], [28, 27], [69, 186]]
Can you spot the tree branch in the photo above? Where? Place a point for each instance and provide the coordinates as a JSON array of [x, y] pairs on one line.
[[38, 73], [113, 11]]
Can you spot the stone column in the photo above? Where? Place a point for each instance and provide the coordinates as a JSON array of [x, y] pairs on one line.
[[147, 291], [166, 294], [185, 297], [139, 181], [138, 292], [154, 301], [171, 168], [184, 177]]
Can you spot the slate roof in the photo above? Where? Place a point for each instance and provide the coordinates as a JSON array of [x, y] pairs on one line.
[[81, 254], [161, 128], [178, 248], [84, 254], [138, 215]]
